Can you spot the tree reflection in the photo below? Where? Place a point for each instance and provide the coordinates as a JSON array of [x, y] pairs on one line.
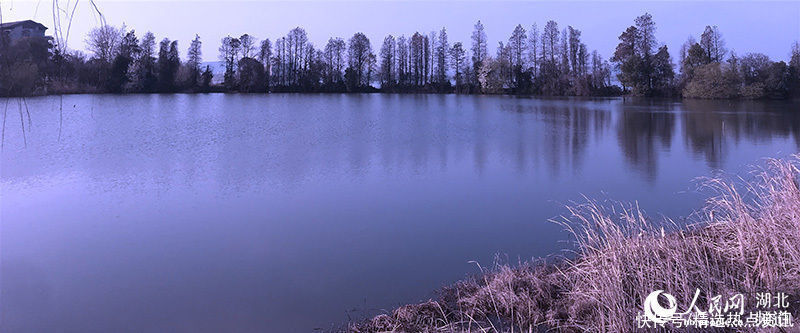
[[557, 130], [644, 131], [713, 128]]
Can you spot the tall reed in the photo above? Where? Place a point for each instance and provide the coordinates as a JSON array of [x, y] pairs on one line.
[[745, 240]]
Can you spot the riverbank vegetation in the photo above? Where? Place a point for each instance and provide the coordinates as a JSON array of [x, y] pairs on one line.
[[551, 61], [745, 241]]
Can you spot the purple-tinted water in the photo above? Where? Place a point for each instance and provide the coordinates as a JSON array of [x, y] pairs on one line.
[[269, 213]]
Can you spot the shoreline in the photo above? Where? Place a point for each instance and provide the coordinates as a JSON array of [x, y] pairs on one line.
[[222, 90], [745, 240], [378, 92]]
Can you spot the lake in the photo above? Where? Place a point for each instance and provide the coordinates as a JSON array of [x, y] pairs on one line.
[[290, 212]]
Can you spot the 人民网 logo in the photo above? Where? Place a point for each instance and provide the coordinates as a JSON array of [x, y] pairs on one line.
[[771, 310], [657, 313]]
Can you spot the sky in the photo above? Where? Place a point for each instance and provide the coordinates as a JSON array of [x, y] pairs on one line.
[[769, 27]]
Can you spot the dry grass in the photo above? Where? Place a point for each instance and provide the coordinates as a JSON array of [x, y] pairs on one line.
[[745, 240]]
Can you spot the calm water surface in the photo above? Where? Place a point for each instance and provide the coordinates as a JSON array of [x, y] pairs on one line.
[[280, 213]]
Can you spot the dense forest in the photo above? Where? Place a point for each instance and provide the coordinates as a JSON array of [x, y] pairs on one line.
[[551, 62]]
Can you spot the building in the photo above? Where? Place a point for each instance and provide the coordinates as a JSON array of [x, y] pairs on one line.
[[14, 31]]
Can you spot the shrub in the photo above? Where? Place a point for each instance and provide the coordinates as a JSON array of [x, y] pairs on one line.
[[709, 81]]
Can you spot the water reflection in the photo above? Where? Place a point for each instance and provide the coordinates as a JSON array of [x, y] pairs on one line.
[[279, 212], [644, 131], [713, 128], [296, 136], [561, 130]]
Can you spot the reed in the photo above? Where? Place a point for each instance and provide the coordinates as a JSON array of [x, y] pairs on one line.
[[746, 239]]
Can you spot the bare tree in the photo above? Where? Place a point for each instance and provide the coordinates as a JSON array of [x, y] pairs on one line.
[[564, 50], [417, 59], [550, 41], [265, 52], [264, 56], [442, 49], [278, 61], [533, 48], [518, 43], [248, 46], [712, 42], [479, 52], [387, 61], [600, 73], [296, 47], [333, 57], [503, 63], [358, 53], [228, 52], [402, 60], [103, 41], [193, 59], [574, 49], [684, 52], [430, 57], [457, 59]]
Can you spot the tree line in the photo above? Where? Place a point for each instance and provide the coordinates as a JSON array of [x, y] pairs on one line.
[[553, 62]]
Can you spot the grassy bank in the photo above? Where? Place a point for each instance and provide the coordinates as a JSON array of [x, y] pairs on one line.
[[745, 240]]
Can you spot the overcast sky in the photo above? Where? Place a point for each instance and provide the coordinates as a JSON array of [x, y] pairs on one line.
[[766, 27]]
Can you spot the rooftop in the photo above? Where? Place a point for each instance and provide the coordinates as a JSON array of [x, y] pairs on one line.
[[9, 25]]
